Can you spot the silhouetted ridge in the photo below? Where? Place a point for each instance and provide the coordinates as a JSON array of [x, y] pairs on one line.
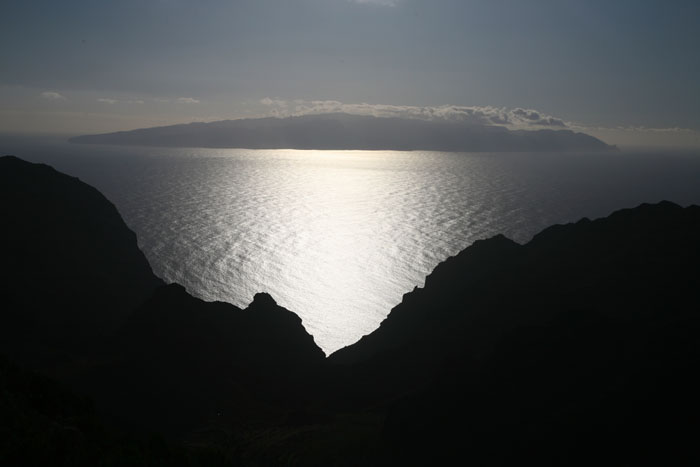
[[263, 300], [197, 355], [575, 348], [71, 268], [81, 302], [345, 131], [264, 334]]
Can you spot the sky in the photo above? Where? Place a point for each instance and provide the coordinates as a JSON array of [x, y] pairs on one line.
[[624, 70]]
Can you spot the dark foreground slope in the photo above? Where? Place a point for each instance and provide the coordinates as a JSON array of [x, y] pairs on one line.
[[71, 270], [578, 348], [43, 423], [78, 301], [181, 364], [345, 131]]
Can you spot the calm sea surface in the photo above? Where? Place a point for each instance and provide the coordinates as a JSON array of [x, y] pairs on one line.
[[339, 236]]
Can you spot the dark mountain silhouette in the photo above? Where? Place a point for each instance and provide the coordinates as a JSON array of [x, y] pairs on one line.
[[577, 348], [71, 269], [345, 131], [208, 360], [44, 423], [81, 303]]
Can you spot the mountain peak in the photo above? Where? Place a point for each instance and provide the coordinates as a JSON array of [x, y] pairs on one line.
[[263, 299]]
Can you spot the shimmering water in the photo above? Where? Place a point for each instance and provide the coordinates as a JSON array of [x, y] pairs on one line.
[[339, 236]]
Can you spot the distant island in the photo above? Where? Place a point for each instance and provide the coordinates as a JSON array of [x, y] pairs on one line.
[[578, 348], [339, 131]]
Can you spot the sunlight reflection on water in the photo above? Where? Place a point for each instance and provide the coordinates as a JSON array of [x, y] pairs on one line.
[[339, 236]]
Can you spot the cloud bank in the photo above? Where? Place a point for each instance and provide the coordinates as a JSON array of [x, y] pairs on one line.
[[517, 118]]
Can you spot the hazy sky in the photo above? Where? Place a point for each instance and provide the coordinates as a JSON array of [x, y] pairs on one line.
[[78, 66]]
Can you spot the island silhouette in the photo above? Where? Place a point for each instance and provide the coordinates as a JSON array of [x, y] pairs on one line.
[[579, 347], [342, 131]]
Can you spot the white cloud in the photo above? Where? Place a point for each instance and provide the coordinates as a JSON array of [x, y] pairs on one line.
[[105, 100], [186, 100], [52, 96], [517, 118], [274, 102]]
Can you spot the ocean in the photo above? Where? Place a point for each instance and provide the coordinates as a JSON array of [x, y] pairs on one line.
[[339, 236]]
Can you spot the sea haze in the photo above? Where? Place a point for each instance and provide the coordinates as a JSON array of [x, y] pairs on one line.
[[339, 236]]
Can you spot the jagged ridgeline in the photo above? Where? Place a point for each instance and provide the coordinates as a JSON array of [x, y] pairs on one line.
[[577, 348], [345, 131]]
